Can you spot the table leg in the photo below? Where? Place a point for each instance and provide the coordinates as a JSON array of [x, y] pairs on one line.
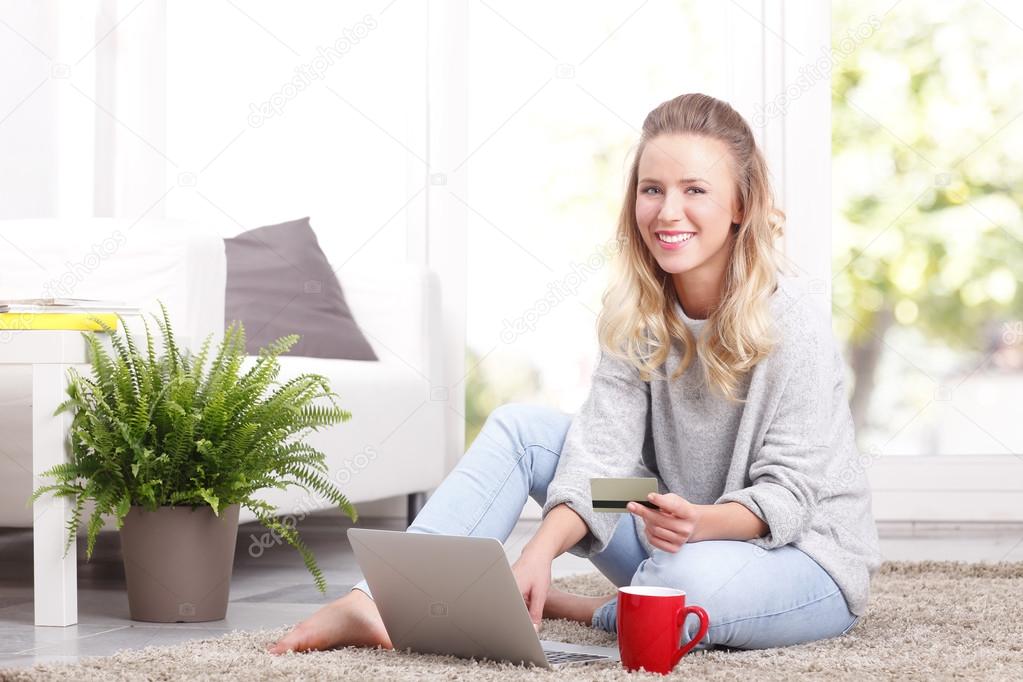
[[55, 575]]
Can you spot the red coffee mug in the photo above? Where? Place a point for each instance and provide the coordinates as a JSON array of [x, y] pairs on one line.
[[650, 621]]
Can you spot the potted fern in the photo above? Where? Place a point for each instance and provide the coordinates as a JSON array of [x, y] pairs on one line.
[[170, 445]]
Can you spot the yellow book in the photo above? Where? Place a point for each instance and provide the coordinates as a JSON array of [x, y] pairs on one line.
[[72, 321]]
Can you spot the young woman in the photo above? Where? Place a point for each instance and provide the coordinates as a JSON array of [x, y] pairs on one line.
[[717, 377]]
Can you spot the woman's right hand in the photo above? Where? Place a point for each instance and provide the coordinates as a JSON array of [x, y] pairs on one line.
[[532, 573]]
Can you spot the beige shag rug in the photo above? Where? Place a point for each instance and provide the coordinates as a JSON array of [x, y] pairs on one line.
[[927, 620]]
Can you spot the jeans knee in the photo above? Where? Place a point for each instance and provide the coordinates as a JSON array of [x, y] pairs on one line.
[[524, 424], [535, 432], [507, 416], [504, 426], [667, 569]]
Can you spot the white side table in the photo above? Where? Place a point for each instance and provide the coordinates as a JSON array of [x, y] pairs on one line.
[[50, 353]]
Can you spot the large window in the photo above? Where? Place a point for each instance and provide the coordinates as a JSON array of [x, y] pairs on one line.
[[927, 177]]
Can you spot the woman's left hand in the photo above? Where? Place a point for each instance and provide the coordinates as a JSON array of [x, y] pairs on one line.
[[672, 525]]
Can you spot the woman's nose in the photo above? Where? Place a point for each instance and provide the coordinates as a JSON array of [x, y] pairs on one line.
[[671, 207]]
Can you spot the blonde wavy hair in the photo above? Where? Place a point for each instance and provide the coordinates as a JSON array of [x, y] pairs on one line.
[[638, 322]]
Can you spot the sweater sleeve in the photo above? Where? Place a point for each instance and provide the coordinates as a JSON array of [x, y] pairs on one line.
[[605, 440], [788, 472]]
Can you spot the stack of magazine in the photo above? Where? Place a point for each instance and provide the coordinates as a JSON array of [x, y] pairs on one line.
[[62, 313]]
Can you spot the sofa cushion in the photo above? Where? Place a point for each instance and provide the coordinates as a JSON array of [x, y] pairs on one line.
[[279, 282]]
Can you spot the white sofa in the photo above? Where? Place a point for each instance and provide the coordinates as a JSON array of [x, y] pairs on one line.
[[394, 443]]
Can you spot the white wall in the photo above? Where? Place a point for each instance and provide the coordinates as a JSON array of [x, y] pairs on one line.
[[154, 109]]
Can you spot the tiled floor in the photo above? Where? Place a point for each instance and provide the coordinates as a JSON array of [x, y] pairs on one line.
[[272, 588]]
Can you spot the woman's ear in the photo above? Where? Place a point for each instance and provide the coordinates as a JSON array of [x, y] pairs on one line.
[[736, 222]]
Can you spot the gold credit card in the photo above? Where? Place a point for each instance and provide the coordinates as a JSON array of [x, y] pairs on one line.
[[612, 494]]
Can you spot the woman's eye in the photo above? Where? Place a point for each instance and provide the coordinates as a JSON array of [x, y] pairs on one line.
[[646, 190]]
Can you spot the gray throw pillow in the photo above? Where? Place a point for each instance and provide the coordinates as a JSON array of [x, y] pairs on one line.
[[279, 283]]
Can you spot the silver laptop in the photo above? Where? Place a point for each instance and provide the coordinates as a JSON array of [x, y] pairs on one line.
[[456, 595]]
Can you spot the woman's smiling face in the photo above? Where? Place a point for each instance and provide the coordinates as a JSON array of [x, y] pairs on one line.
[[686, 203]]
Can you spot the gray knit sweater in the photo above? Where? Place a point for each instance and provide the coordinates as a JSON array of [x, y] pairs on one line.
[[788, 454]]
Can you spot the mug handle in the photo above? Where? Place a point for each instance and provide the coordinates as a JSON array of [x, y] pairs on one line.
[[704, 624]]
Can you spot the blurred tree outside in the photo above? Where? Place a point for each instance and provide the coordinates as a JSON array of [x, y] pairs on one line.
[[927, 148]]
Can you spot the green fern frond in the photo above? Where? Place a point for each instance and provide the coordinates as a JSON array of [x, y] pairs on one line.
[[266, 517], [153, 428]]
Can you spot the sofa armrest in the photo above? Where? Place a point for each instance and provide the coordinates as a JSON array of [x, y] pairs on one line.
[[140, 262], [398, 309]]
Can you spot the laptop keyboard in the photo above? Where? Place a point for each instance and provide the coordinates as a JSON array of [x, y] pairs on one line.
[[555, 657]]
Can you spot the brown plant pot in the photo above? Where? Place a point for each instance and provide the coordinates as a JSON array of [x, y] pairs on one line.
[[178, 562]]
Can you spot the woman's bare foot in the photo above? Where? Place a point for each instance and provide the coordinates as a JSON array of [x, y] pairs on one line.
[[575, 607], [352, 620]]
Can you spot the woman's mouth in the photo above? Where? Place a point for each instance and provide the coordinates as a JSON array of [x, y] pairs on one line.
[[673, 240]]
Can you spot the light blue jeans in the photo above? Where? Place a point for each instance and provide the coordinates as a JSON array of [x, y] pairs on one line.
[[755, 598]]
